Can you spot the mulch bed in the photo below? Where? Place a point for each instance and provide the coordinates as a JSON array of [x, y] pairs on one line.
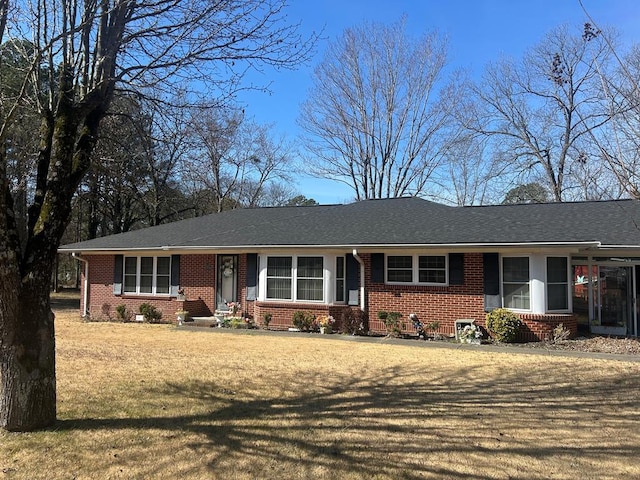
[[598, 344]]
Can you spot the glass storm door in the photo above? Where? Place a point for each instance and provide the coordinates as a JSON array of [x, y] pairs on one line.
[[614, 300], [226, 281]]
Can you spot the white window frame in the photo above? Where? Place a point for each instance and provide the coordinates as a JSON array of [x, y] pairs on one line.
[[415, 269], [568, 283], [294, 278], [138, 274], [339, 279], [528, 283]]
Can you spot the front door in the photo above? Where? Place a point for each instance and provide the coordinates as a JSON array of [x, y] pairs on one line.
[[226, 281]]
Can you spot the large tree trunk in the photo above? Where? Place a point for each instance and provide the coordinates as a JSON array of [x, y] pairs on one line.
[[27, 362]]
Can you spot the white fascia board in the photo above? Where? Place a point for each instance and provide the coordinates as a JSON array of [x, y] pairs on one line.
[[477, 247]]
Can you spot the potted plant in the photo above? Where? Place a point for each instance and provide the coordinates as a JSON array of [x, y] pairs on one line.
[[325, 322], [470, 334]]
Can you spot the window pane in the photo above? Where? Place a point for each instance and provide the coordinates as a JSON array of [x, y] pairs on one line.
[[146, 265], [400, 269], [400, 276], [130, 265], [339, 290], [516, 296], [310, 267], [279, 288], [515, 269], [399, 261], [279, 267], [432, 276], [557, 270], [557, 296], [162, 284], [146, 283], [340, 279], [340, 267], [163, 267], [309, 289], [432, 262], [130, 283]]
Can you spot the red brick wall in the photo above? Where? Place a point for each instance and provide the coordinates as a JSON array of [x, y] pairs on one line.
[[539, 327], [430, 303], [282, 313], [197, 277]]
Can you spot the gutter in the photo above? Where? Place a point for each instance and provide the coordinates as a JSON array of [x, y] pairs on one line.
[[368, 246], [85, 287], [361, 262]]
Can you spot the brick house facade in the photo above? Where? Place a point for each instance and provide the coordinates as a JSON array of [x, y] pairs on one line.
[[404, 255]]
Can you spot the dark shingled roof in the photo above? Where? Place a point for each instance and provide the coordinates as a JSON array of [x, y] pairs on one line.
[[399, 221]]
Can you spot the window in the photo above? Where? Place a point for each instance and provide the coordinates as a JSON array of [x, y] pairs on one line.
[[340, 276], [431, 269], [279, 276], [557, 284], [305, 273], [310, 275], [147, 275], [400, 269], [515, 283]]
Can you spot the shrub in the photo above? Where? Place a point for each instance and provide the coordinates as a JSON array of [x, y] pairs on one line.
[[151, 314], [303, 321], [123, 313], [266, 319], [504, 325], [560, 334], [354, 322], [391, 322]]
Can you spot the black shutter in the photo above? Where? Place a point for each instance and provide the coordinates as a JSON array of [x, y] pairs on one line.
[[351, 272], [377, 268], [456, 269], [175, 274], [491, 281], [252, 276], [118, 261]]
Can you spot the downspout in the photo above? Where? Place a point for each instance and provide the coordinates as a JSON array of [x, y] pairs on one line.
[[85, 287], [361, 262]]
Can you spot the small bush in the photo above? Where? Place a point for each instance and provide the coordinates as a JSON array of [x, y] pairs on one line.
[[123, 313], [303, 321], [391, 322], [266, 319], [354, 322], [504, 325], [151, 314], [560, 334]]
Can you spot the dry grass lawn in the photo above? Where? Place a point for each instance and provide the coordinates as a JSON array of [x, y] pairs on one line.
[[151, 401]]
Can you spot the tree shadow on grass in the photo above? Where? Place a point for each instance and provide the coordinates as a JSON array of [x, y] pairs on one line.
[[403, 422]]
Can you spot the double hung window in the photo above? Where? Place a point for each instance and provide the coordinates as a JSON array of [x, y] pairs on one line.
[[147, 275], [295, 278], [516, 292], [417, 269]]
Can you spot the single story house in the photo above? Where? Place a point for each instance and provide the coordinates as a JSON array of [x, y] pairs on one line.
[[572, 263]]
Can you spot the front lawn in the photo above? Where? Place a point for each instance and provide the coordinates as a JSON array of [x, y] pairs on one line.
[[153, 401]]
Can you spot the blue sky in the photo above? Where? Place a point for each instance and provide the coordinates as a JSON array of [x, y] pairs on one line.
[[478, 31]]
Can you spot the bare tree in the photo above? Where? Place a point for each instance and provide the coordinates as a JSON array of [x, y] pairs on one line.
[[377, 116], [82, 51], [235, 160], [541, 109]]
